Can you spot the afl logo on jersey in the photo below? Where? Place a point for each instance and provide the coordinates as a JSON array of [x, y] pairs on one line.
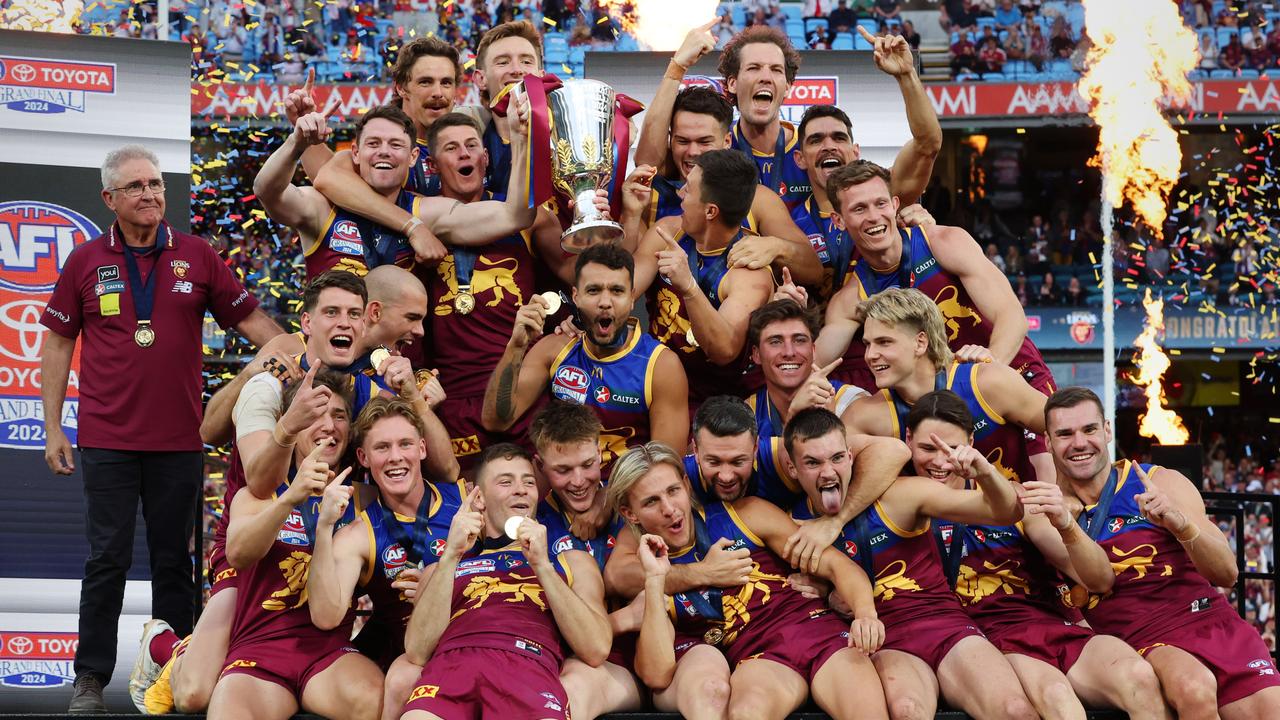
[[393, 559], [819, 243], [563, 544], [571, 384], [293, 531], [346, 239]]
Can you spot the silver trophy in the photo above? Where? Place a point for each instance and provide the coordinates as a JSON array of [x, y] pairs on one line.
[[582, 146]]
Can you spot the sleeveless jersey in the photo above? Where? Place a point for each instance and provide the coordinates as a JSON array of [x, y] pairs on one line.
[[558, 519], [498, 603], [272, 598], [769, 479], [423, 178], [499, 171], [919, 269], [769, 419], [833, 245], [353, 243], [1003, 444], [664, 201], [466, 347], [618, 387], [766, 602], [788, 180], [389, 558], [365, 383], [1157, 585], [907, 570], [1002, 580], [669, 322]]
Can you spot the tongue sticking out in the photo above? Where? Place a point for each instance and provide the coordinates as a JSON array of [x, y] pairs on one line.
[[831, 499]]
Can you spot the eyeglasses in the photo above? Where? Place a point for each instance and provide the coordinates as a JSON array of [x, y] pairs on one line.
[[135, 189]]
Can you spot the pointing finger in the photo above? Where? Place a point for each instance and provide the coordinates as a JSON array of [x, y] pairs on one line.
[[667, 238], [786, 276], [826, 369], [933, 437], [340, 476], [319, 448], [311, 81], [866, 35], [472, 496]]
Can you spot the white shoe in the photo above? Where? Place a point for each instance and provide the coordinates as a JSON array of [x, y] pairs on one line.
[[145, 669]]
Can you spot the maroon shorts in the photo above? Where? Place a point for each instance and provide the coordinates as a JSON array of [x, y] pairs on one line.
[[803, 646], [477, 682], [623, 652], [289, 662], [220, 573], [461, 417], [1224, 643], [380, 642], [932, 636], [1058, 643]]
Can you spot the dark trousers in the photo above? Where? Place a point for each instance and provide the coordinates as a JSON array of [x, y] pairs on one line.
[[167, 482]]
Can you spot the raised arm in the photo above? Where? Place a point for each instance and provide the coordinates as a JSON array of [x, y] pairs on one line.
[[624, 577], [301, 208], [914, 163], [669, 411], [651, 149], [959, 253], [840, 325], [655, 659], [579, 611], [217, 428], [337, 560], [435, 603], [1170, 501], [1054, 532], [995, 504], [256, 521], [521, 375]]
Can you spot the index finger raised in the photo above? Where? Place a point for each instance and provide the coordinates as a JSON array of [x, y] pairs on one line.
[[1143, 477], [340, 476], [666, 237], [866, 35], [826, 369], [933, 437], [472, 496], [310, 84], [319, 448]]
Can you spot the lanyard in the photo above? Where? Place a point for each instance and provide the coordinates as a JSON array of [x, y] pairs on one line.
[[414, 546], [779, 153], [1095, 523], [707, 602], [951, 556], [143, 291], [464, 261], [862, 539]]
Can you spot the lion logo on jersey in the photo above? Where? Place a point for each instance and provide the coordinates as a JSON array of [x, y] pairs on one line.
[[736, 614], [295, 569], [893, 580], [973, 587], [613, 442], [481, 588], [1140, 564], [668, 323], [497, 277], [954, 312], [996, 458]]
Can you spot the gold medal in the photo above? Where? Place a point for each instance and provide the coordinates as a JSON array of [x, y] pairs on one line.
[[713, 636], [465, 302], [422, 377], [144, 336], [379, 356], [1079, 596]]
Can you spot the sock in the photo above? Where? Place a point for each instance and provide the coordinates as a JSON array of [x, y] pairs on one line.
[[162, 646]]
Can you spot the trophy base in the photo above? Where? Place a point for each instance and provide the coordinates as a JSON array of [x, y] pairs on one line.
[[592, 232]]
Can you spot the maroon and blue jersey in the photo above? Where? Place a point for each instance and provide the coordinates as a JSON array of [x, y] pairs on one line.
[[764, 604], [1004, 445], [832, 244], [617, 386], [560, 538], [904, 565], [919, 269], [498, 603], [423, 178], [272, 600], [769, 420], [498, 174], [355, 244], [424, 536], [664, 201], [1002, 580], [769, 478], [777, 170], [669, 322], [1157, 585]]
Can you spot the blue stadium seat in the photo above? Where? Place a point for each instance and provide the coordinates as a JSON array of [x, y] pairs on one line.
[[813, 24], [626, 43], [793, 10], [843, 41], [739, 16], [985, 22], [1221, 74], [1248, 74], [995, 77], [1224, 36], [795, 26], [555, 49]]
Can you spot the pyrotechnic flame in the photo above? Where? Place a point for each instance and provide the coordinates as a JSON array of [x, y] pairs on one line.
[[57, 16], [1140, 58], [660, 25], [1159, 422]]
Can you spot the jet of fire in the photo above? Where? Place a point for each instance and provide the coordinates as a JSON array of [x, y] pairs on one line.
[[56, 16], [1158, 422], [1139, 61], [660, 25]]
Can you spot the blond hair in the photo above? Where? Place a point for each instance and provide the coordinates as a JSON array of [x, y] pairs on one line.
[[912, 311], [634, 465]]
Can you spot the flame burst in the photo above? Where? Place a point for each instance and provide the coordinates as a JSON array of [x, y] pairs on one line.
[[1140, 58], [1158, 422], [57, 16], [660, 25]]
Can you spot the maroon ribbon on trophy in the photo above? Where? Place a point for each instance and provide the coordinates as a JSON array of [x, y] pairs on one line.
[[541, 188]]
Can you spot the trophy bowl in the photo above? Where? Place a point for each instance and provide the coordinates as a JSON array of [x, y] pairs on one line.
[[582, 114]]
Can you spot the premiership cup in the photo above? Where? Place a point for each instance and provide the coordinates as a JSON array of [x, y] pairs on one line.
[[582, 113]]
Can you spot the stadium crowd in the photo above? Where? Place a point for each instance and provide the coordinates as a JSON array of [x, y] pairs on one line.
[[517, 459]]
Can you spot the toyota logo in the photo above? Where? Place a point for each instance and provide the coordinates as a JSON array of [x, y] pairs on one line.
[[23, 318], [21, 645], [24, 73]]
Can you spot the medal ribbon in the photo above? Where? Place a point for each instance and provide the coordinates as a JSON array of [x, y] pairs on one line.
[[464, 261], [779, 152], [707, 602], [862, 538], [951, 556], [414, 547], [1095, 523], [143, 291]]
